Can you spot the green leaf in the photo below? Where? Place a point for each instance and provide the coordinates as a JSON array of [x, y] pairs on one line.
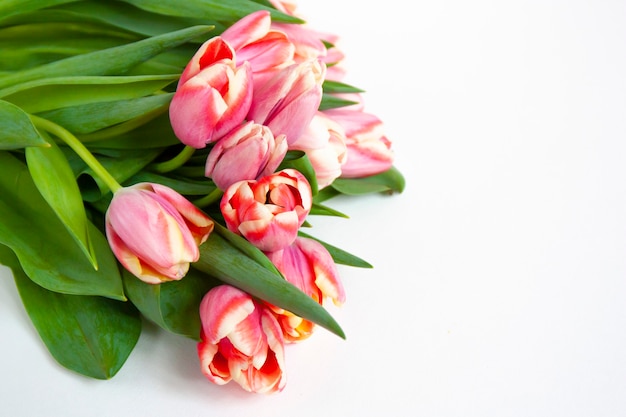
[[46, 250], [183, 186], [173, 305], [16, 129], [322, 210], [15, 7], [87, 118], [113, 14], [324, 194], [21, 50], [332, 102], [112, 61], [90, 335], [336, 87], [299, 161], [25, 32], [55, 181], [224, 261], [246, 248], [210, 10], [153, 132], [53, 93], [389, 181], [340, 256], [121, 168], [127, 17]]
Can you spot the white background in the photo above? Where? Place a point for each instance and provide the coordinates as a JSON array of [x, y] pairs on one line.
[[499, 280]]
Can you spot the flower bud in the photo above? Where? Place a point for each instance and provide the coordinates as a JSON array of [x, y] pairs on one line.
[[240, 341], [246, 153], [287, 102], [155, 232], [369, 150], [268, 212], [324, 143], [213, 95], [265, 49], [308, 265]]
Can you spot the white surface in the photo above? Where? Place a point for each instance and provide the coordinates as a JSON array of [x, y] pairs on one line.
[[500, 275]]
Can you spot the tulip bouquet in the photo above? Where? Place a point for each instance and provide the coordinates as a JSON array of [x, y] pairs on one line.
[[161, 161]]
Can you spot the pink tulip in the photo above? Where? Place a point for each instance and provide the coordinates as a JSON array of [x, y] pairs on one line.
[[246, 153], [309, 266], [268, 212], [307, 42], [369, 150], [213, 95], [287, 102], [288, 7], [240, 341], [155, 232], [255, 42], [324, 143]]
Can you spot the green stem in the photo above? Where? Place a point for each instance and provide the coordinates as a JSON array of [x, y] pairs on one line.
[[79, 148], [209, 199], [175, 162]]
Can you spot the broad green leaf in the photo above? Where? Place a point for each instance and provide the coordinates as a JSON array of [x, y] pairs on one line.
[[90, 335], [16, 129], [332, 102], [25, 32], [55, 181], [112, 61], [8, 258], [222, 260], [18, 56], [389, 181], [113, 14], [90, 117], [336, 87], [246, 248], [340, 256], [210, 10], [173, 305], [150, 133], [299, 161], [47, 252], [15, 7], [127, 17], [52, 93]]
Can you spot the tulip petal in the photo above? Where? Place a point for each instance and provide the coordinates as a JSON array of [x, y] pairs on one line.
[[231, 307]]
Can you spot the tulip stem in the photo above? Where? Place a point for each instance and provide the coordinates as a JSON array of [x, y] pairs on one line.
[[78, 147], [176, 162], [209, 199]]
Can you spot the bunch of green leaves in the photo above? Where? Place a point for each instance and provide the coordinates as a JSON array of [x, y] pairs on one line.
[[102, 73]]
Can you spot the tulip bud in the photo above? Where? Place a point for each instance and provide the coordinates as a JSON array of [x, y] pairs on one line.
[[155, 232], [369, 150], [287, 102], [308, 265], [213, 95], [268, 212], [240, 341], [246, 153], [254, 41], [324, 143]]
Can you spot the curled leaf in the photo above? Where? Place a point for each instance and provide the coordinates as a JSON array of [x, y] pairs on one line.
[[16, 129]]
